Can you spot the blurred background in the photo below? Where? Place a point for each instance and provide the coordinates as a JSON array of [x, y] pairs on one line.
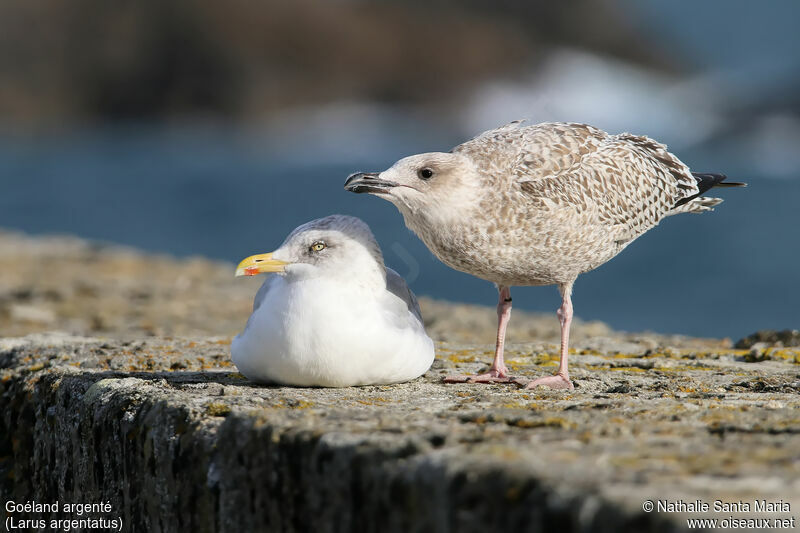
[[214, 128]]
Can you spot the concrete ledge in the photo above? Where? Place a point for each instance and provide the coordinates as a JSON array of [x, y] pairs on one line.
[[176, 440]]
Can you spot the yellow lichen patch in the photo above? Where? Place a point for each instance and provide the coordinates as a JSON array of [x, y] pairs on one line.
[[597, 367], [783, 354], [236, 375], [719, 416], [36, 367], [460, 357], [218, 409], [791, 424], [668, 369], [698, 367], [503, 452], [513, 405], [552, 422], [516, 364], [259, 420], [301, 404], [621, 356], [374, 401], [543, 357], [627, 369]]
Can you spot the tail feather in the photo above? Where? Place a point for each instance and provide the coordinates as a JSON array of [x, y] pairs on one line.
[[701, 204], [706, 181], [731, 184]]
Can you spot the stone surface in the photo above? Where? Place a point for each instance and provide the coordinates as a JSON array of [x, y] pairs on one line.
[[770, 337], [164, 429], [168, 432]]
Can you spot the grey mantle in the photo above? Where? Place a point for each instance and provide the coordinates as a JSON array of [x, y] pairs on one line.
[[175, 439]]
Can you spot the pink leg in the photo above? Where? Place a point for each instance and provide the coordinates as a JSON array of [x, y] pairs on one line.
[[560, 380], [498, 373]]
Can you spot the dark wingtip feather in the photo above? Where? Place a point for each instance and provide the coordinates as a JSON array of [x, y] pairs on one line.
[[707, 180]]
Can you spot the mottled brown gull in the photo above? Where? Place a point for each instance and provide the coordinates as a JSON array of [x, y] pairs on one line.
[[538, 205]]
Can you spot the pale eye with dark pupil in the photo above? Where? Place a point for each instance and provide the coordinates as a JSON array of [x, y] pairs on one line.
[[425, 173], [317, 247]]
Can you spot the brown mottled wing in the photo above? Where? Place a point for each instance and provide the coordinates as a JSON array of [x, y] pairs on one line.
[[623, 181], [531, 152]]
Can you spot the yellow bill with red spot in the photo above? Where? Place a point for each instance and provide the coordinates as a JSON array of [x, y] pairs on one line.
[[260, 264]]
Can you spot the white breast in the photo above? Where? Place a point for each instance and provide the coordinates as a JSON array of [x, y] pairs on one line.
[[322, 332]]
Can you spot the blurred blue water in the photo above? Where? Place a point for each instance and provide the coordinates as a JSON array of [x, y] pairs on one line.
[[227, 195]]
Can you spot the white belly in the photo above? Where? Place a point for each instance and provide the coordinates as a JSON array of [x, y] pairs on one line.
[[324, 333]]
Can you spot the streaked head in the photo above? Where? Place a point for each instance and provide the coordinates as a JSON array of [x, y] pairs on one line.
[[420, 181], [337, 245]]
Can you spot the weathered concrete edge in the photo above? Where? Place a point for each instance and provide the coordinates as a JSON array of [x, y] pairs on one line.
[[82, 436]]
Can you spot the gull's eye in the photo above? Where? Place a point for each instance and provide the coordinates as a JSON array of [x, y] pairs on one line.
[[318, 246], [425, 173]]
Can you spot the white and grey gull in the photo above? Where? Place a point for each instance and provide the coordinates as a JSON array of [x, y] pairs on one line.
[[330, 313], [538, 205]]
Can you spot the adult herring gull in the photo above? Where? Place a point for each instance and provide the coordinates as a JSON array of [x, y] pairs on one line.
[[330, 313]]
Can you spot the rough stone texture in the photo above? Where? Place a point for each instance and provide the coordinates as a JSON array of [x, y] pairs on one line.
[[167, 431], [770, 337], [177, 440]]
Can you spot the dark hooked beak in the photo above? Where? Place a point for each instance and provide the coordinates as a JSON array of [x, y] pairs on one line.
[[368, 182]]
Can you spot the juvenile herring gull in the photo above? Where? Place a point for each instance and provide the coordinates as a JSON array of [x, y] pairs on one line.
[[538, 205], [330, 313]]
